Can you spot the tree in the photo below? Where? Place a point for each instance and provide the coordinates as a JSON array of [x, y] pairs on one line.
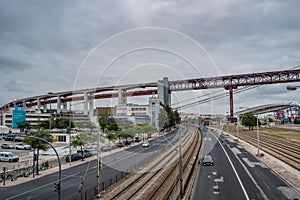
[[38, 144], [25, 125], [61, 123], [80, 140], [167, 118], [250, 120], [83, 125], [44, 124], [111, 136], [107, 123]]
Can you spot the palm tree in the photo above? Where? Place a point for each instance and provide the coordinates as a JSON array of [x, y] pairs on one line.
[[80, 140], [38, 144]]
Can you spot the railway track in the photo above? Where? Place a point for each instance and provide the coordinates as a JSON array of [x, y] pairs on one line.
[[151, 181], [276, 146]]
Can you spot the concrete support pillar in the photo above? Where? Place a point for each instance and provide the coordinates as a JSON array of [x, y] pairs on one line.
[[91, 108], [38, 106], [231, 104], [24, 104], [65, 106], [121, 98], [58, 104], [44, 107], [85, 103]]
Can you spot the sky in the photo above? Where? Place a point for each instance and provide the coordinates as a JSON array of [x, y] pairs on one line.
[[54, 46]]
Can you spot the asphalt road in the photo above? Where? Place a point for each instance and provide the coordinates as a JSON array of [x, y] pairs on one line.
[[237, 174], [115, 166]]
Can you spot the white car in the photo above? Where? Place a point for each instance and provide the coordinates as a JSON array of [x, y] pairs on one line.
[[8, 157], [145, 144], [23, 146]]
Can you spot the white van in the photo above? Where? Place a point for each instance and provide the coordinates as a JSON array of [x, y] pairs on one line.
[[8, 157]]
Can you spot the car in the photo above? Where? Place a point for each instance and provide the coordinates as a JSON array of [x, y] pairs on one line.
[[127, 142], [23, 146], [9, 137], [137, 139], [85, 153], [146, 144], [74, 157], [208, 160], [7, 146], [120, 144], [9, 157]]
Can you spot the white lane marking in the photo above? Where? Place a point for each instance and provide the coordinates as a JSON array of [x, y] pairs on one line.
[[219, 180], [240, 182], [253, 164], [235, 150], [250, 176], [214, 173], [289, 192]]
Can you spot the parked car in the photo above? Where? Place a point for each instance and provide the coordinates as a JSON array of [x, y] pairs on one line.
[[8, 157], [23, 146], [85, 153], [146, 144], [120, 144], [208, 160], [74, 157], [137, 139], [7, 146], [9, 137], [127, 142]]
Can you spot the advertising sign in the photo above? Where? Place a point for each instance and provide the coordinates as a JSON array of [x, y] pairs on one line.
[[19, 116]]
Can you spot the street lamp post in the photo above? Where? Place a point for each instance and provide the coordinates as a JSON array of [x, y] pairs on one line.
[[58, 184], [257, 124], [99, 161], [69, 130], [291, 87]]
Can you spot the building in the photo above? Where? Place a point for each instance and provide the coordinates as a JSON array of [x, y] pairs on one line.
[[154, 108], [110, 110], [132, 110]]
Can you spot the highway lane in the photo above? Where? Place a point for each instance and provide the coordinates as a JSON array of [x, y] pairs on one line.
[[270, 184], [115, 165], [221, 180], [252, 179]]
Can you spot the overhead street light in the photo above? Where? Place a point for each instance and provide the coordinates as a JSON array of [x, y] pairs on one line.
[[291, 87]]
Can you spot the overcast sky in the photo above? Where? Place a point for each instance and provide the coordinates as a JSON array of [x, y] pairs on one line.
[[53, 46]]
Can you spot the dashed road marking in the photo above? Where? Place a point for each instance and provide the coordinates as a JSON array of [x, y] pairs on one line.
[[253, 164]]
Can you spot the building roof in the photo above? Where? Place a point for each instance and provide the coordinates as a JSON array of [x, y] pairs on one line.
[[267, 108]]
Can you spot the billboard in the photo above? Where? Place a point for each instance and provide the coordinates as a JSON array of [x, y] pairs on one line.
[[19, 116]]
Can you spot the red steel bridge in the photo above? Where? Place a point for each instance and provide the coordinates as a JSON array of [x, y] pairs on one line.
[[229, 83]]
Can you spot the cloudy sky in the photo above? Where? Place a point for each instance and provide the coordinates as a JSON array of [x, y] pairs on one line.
[[53, 46]]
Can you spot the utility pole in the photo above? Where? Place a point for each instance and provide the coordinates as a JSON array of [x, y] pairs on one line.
[[99, 161], [69, 130], [257, 135]]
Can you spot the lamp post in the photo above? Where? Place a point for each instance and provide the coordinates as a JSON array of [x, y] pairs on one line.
[[69, 131], [292, 87], [99, 161], [227, 124], [257, 124]]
